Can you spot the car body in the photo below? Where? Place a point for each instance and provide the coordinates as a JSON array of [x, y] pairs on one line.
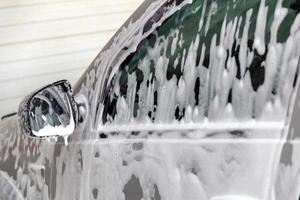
[[189, 100]]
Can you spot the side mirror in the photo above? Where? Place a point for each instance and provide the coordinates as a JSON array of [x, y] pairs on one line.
[[49, 112]]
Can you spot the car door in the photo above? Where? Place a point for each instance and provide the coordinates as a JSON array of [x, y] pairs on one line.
[[193, 102]]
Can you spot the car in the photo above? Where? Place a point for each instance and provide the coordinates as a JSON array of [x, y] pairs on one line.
[[191, 99]]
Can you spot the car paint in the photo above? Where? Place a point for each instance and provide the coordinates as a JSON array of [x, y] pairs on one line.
[[182, 162]]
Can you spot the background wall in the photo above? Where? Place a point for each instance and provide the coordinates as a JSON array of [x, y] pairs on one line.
[[42, 41]]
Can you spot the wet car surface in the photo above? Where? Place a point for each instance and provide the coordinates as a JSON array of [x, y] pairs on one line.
[[189, 100]]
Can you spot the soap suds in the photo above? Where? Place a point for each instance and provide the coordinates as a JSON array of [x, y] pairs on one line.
[[227, 145]]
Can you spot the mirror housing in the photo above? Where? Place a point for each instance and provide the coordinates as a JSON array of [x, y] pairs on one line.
[[49, 112]]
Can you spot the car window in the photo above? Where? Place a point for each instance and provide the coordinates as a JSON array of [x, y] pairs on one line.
[[230, 60]]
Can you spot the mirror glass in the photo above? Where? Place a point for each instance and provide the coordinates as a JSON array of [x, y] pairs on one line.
[[50, 112]]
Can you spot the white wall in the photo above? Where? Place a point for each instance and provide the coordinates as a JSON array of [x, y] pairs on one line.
[[42, 41]]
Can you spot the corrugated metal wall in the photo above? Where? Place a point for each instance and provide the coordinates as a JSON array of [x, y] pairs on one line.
[[42, 41]]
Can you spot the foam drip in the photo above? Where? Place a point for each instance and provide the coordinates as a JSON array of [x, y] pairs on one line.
[[225, 75]]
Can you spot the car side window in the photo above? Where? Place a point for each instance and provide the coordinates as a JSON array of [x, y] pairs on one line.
[[210, 60]]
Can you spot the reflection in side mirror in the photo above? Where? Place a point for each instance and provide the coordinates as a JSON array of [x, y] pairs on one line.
[[49, 112]]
